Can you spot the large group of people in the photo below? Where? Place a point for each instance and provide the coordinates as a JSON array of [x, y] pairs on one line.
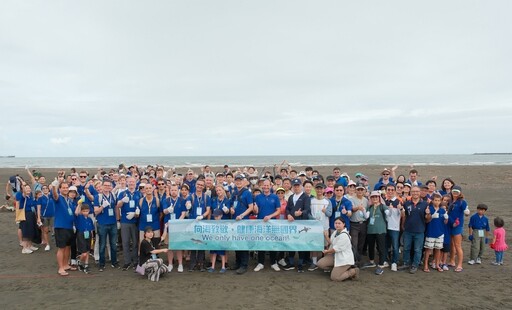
[[130, 208]]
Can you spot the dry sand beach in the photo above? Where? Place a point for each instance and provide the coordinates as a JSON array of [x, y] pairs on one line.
[[31, 281]]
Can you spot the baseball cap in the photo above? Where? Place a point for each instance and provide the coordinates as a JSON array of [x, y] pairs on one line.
[[302, 174], [322, 185], [456, 188], [280, 189], [296, 182], [73, 188], [239, 177], [360, 185], [329, 190], [351, 183], [330, 178], [375, 193]]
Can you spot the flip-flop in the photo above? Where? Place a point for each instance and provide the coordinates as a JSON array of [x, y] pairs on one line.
[[426, 270], [460, 269], [440, 269], [63, 273], [71, 268]]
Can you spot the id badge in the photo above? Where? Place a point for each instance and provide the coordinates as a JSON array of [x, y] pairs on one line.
[[281, 216], [372, 221], [173, 216], [110, 212], [82, 197], [235, 204], [70, 212], [86, 234], [33, 209], [153, 256], [481, 233], [132, 204], [337, 214], [199, 211], [149, 218]]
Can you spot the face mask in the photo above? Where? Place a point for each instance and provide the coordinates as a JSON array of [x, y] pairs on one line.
[[254, 182]]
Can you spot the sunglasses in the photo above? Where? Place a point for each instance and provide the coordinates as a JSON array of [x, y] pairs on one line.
[[390, 190], [385, 174], [73, 179], [83, 176], [160, 184], [338, 190]]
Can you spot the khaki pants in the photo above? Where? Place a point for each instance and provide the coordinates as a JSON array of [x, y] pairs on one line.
[[339, 273], [477, 245]]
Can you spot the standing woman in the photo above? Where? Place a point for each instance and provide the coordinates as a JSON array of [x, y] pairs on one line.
[[376, 231], [339, 256], [45, 214], [25, 201], [446, 186], [148, 213], [456, 212]]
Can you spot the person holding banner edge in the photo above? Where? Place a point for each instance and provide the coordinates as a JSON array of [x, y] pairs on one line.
[[241, 208]]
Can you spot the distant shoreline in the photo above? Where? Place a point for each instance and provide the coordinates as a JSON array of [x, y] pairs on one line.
[[492, 153]]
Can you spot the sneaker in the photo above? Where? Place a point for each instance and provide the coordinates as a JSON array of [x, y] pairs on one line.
[[471, 262], [115, 265], [170, 267], [180, 268], [404, 267], [445, 267], [26, 251], [126, 267], [241, 270], [495, 263], [86, 269], [259, 267], [101, 269], [282, 262], [478, 260], [222, 270], [275, 267], [385, 265], [201, 268], [413, 270], [369, 265], [299, 269], [47, 247], [379, 271], [312, 267], [288, 267], [210, 270], [394, 267], [33, 248]]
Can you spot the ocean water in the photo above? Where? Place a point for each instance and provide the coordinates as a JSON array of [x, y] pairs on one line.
[[258, 161]]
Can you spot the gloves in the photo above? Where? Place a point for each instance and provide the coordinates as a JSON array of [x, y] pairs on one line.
[[226, 188], [125, 199], [486, 240], [55, 183], [470, 237], [466, 211], [199, 217], [118, 225], [225, 209], [367, 214], [446, 216], [188, 205], [74, 229], [170, 210], [208, 192], [130, 215], [137, 211]]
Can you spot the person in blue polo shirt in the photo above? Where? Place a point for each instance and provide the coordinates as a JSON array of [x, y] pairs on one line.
[[104, 208], [63, 225], [45, 215], [456, 212], [126, 204], [201, 206], [434, 237], [267, 206], [478, 234], [25, 200], [416, 216], [242, 206], [341, 206]]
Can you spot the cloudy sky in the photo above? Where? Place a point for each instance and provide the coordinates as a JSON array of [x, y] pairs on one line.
[[138, 78]]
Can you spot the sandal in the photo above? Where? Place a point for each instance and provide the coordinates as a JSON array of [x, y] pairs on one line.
[[63, 273], [440, 269], [426, 270], [459, 269]]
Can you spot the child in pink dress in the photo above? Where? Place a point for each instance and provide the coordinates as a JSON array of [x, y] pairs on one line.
[[498, 242]]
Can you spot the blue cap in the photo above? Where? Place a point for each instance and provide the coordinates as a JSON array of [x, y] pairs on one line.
[[296, 182]]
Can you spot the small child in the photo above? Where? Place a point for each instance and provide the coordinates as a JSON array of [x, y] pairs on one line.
[[435, 233], [84, 229], [217, 214], [478, 230], [447, 237], [498, 242]]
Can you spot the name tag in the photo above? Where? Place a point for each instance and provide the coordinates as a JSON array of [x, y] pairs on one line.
[[70, 212], [149, 218], [235, 204], [173, 216], [337, 214], [33, 209], [199, 211], [110, 212], [132, 204], [481, 233], [372, 221], [86, 234], [153, 256], [281, 216]]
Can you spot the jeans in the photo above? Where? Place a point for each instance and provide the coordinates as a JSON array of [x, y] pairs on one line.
[[111, 231], [417, 238], [394, 244], [242, 259], [261, 257], [130, 238], [303, 257], [499, 256]]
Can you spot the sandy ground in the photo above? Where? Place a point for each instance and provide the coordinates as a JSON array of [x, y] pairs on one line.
[[30, 281]]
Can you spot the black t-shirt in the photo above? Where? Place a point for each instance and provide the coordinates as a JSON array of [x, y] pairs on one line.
[[145, 251]]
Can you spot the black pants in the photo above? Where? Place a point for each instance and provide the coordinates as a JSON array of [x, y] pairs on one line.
[[196, 257], [242, 259], [261, 257], [303, 258], [381, 246]]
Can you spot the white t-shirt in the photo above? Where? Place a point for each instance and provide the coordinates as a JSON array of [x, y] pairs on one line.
[[316, 211]]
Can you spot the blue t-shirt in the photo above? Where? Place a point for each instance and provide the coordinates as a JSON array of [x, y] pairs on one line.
[[149, 215], [436, 226], [176, 203], [83, 223], [199, 205], [108, 214], [219, 204], [92, 190], [129, 206], [64, 216], [47, 206], [415, 216], [26, 202], [476, 222], [241, 201], [456, 211], [337, 207], [267, 204]]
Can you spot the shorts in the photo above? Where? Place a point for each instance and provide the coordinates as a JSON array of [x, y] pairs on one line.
[[434, 243], [63, 237], [446, 248], [47, 221], [83, 245], [221, 253]]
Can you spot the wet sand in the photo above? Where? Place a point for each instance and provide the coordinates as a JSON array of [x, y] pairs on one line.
[[29, 281]]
